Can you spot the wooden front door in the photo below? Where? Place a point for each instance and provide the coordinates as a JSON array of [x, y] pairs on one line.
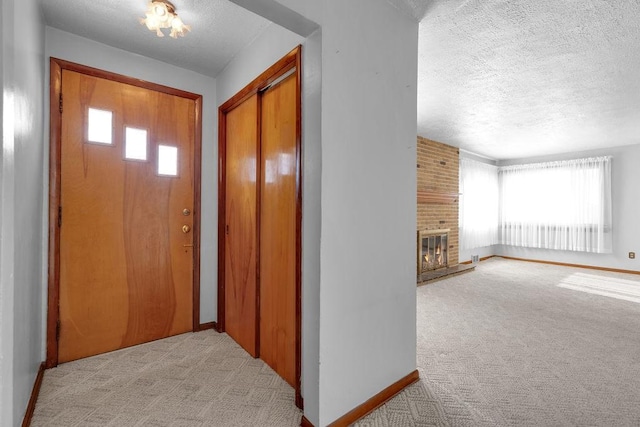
[[126, 215]]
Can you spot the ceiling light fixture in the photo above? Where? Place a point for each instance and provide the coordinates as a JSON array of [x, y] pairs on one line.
[[162, 14]]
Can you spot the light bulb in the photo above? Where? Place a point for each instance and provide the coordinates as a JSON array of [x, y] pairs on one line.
[[151, 22], [176, 22], [160, 9]]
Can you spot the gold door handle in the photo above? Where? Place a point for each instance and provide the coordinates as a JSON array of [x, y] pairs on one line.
[[188, 246], [186, 229]]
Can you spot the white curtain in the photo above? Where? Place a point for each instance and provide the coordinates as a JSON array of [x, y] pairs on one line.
[[563, 205], [479, 204]]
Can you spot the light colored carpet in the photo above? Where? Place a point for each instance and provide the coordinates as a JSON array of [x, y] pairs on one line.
[[509, 344], [201, 379], [524, 344]]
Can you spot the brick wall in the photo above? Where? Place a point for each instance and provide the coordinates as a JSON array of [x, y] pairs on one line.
[[438, 172]]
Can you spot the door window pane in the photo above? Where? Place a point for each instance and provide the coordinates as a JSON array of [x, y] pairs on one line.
[[135, 143], [167, 160], [100, 126]]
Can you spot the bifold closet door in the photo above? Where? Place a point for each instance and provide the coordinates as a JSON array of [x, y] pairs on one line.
[[241, 235], [278, 197]]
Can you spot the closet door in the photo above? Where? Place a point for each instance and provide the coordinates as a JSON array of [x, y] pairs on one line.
[[278, 197], [260, 218], [241, 238]]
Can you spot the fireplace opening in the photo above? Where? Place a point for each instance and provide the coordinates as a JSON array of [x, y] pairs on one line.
[[433, 249]]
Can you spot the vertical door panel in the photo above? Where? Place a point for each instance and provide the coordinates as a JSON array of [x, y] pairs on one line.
[[241, 224], [125, 272], [278, 201]]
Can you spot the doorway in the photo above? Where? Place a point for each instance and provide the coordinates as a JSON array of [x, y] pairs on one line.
[[260, 217], [124, 217]]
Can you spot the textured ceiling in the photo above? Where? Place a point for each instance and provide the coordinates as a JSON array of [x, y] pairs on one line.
[[520, 78], [219, 29]]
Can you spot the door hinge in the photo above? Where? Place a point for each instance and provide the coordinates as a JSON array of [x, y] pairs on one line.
[[227, 229], [60, 103], [58, 331], [59, 216]]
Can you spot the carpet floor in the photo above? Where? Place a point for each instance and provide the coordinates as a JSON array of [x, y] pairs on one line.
[[509, 344], [189, 380], [524, 344]]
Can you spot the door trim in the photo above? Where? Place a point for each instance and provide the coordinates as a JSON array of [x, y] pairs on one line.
[[264, 80], [55, 143]]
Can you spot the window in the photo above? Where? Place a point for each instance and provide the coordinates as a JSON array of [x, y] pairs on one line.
[[167, 160], [479, 201], [562, 205], [100, 127], [135, 142]]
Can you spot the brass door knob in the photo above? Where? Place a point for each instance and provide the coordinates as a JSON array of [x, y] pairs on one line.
[[186, 212], [186, 229]]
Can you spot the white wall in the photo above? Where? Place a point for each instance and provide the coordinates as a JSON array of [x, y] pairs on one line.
[[7, 196], [270, 46], [63, 45], [367, 291], [367, 299], [625, 204], [311, 222], [485, 251], [21, 193]]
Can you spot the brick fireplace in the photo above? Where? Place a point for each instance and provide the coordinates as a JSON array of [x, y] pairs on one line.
[[437, 175]]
